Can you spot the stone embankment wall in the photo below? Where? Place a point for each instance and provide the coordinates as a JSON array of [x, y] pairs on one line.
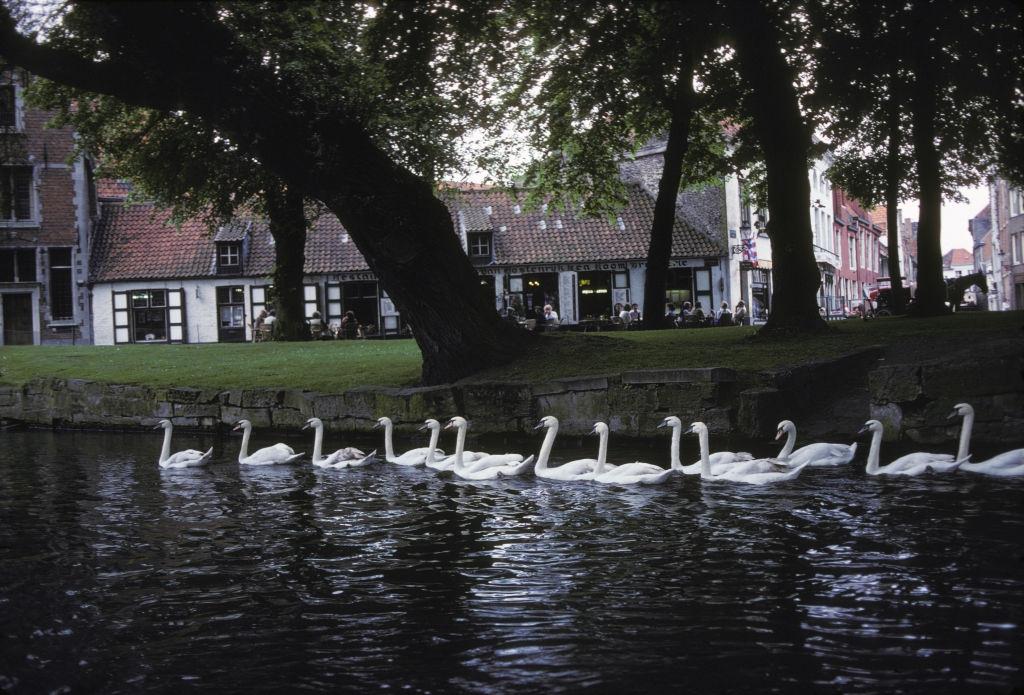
[[828, 397]]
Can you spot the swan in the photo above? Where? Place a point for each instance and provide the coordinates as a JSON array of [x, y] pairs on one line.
[[1009, 464], [278, 453], [580, 469], [442, 462], [183, 459], [489, 467], [721, 461], [756, 472], [625, 473], [817, 454], [413, 457], [349, 457], [911, 464]]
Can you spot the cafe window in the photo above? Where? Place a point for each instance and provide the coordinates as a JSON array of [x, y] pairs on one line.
[[702, 280], [17, 265], [62, 297], [229, 258], [149, 316], [15, 194], [310, 300]]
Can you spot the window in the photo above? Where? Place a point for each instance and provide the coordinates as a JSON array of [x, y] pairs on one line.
[[62, 296], [149, 316], [8, 104], [18, 265], [231, 314], [1016, 201], [853, 253], [229, 258], [1018, 248], [479, 245], [310, 300], [15, 194]]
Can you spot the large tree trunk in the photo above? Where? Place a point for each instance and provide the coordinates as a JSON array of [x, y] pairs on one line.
[[288, 223], [892, 201], [930, 299], [404, 232], [665, 205], [785, 141]]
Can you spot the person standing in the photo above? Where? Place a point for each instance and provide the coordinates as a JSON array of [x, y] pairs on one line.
[[740, 314]]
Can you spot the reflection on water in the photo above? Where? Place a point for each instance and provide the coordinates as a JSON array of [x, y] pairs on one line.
[[118, 577]]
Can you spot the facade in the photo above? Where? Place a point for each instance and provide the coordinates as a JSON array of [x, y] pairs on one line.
[[47, 208], [154, 283], [826, 249], [859, 243], [1004, 263], [957, 262]]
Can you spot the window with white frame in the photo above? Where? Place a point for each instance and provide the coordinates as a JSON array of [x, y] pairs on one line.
[[15, 194], [149, 316], [853, 253], [1018, 248], [1016, 201]]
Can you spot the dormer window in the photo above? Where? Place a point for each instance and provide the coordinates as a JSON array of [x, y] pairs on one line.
[[229, 257], [479, 244]]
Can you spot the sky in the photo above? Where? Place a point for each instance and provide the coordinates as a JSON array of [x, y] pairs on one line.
[[955, 217]]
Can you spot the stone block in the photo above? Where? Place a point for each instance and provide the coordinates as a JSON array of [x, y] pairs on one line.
[[891, 417], [576, 411], [196, 410], [677, 376], [261, 398], [329, 407], [589, 383], [974, 376], [165, 410], [428, 402], [233, 397], [897, 383], [287, 418], [183, 395], [301, 401], [360, 403], [259, 417], [760, 410]]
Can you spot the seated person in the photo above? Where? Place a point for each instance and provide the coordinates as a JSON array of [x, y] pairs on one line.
[[349, 325]]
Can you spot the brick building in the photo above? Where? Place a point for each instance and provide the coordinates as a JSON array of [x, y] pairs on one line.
[[47, 206], [858, 241]]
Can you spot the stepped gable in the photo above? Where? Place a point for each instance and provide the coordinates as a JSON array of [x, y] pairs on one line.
[[534, 236]]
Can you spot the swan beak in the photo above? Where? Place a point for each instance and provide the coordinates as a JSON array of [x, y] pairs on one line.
[[307, 426], [236, 428], [864, 429], [539, 426], [779, 433], [952, 415], [421, 428], [377, 426], [448, 425], [663, 423], [158, 427], [690, 430]]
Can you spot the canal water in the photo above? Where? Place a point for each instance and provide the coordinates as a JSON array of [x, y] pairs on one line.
[[118, 577]]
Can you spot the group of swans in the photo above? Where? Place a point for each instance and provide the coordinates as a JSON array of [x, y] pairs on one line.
[[740, 467]]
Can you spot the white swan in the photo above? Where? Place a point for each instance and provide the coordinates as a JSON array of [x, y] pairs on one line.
[[278, 453], [756, 472], [625, 473], [912, 464], [183, 459], [580, 469], [413, 457], [817, 454], [721, 461], [442, 462], [349, 457], [489, 467], [1009, 464]]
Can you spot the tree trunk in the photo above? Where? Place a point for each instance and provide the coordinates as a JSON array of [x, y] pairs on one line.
[[288, 224], [785, 141], [930, 299], [892, 200], [660, 250], [403, 231]]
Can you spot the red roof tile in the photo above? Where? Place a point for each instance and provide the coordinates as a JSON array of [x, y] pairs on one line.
[[958, 257]]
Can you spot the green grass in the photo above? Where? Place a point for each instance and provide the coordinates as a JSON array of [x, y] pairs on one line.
[[336, 366]]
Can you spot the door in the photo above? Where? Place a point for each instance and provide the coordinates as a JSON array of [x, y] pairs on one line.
[[17, 319]]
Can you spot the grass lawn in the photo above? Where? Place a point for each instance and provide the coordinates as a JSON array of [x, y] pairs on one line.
[[334, 366]]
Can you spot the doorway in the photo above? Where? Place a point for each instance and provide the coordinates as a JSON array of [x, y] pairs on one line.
[[18, 319]]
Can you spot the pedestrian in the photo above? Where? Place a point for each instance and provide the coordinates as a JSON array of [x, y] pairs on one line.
[[739, 315]]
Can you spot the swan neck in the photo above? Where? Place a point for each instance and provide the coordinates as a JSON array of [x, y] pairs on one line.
[[602, 452], [318, 443], [875, 452], [965, 437], [389, 446], [790, 443], [165, 451], [705, 454], [545, 448], [435, 435], [677, 433], [244, 451], [460, 445]]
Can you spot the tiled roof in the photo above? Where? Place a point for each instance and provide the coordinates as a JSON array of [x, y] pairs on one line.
[[135, 242], [112, 189], [958, 257]]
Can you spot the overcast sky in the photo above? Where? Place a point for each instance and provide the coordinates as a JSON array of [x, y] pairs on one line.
[[955, 217]]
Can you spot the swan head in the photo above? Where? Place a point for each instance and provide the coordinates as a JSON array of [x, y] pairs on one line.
[[600, 428], [457, 423], [546, 421], [785, 427], [871, 426], [961, 410], [163, 424], [697, 428], [313, 422], [671, 421], [382, 422], [242, 425], [430, 424]]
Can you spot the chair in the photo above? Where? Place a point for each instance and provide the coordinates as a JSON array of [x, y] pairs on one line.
[[264, 332], [531, 324]]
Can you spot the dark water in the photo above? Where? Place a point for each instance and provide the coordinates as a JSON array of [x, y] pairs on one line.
[[117, 577]]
